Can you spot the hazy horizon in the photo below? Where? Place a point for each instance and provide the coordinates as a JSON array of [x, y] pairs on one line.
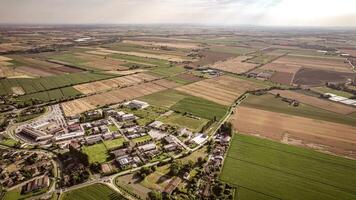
[[280, 13]]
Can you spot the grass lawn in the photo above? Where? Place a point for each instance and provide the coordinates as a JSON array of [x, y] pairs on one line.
[[200, 107], [166, 98], [15, 194], [184, 121], [141, 139], [92, 192], [96, 153], [202, 152], [270, 103], [113, 128], [114, 143], [325, 89], [167, 71], [157, 180], [286, 172]]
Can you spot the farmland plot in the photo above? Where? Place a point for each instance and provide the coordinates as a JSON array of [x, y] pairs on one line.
[[316, 102], [320, 135], [78, 106], [235, 65], [223, 90], [178, 45], [263, 169], [123, 81]]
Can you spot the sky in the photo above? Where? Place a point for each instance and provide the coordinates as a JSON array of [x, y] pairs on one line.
[[224, 12]]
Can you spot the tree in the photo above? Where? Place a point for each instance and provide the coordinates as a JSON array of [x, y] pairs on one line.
[[95, 167], [176, 167]]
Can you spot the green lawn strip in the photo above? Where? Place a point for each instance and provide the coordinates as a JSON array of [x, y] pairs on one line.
[[141, 139], [96, 153], [200, 107], [270, 103], [92, 192], [167, 71], [325, 89], [287, 172], [151, 61], [180, 120]]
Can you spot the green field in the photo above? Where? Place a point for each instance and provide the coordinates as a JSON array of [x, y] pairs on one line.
[[96, 153], [141, 139], [184, 121], [325, 89], [200, 107], [51, 95], [92, 192], [15, 194], [270, 103], [113, 128], [233, 50], [136, 59], [35, 85], [167, 71], [166, 98], [281, 171], [114, 143]]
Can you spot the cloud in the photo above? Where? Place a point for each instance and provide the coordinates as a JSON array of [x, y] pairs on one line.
[[252, 12]]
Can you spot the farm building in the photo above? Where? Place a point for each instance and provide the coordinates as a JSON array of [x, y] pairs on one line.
[[200, 138], [35, 135], [136, 104], [156, 124], [147, 147]]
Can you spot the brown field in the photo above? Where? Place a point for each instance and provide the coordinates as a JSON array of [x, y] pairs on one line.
[[211, 57], [78, 106], [3, 58], [178, 45], [172, 58], [6, 71], [316, 77], [189, 77], [321, 135], [37, 67], [282, 77], [100, 62], [99, 86], [316, 102], [223, 90], [281, 66], [334, 64], [167, 83], [352, 52], [235, 65]]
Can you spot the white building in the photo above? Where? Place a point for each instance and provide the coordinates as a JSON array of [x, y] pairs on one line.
[[136, 104]]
